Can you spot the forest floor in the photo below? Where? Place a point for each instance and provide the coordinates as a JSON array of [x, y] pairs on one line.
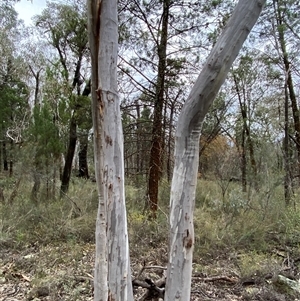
[[64, 271], [242, 251]]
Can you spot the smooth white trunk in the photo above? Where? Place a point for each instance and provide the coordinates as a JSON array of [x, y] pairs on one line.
[[112, 277], [245, 15]]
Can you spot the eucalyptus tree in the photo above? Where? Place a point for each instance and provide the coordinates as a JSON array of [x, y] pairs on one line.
[[188, 131], [160, 43], [14, 92], [245, 78], [137, 130], [112, 277], [46, 145], [285, 16], [279, 33], [64, 26], [218, 122], [157, 30], [35, 53], [112, 271]]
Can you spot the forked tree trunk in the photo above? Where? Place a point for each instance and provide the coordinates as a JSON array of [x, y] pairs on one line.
[[187, 136], [112, 279]]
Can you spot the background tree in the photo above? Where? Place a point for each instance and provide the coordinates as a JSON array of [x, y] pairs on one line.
[[67, 34], [282, 12], [14, 94], [244, 78], [47, 148], [279, 33], [160, 71]]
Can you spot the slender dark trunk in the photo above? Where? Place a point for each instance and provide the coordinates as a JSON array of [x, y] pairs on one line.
[[11, 168], [289, 80], [83, 171], [163, 138], [37, 85], [11, 156], [170, 148], [138, 139], [36, 184], [244, 162], [66, 176], [69, 157], [246, 139], [37, 165], [84, 142], [287, 177], [243, 140], [156, 147], [5, 161]]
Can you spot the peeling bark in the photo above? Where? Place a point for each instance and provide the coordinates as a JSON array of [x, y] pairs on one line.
[[112, 280], [187, 137]]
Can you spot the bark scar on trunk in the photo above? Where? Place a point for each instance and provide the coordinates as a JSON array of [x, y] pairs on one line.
[[108, 140], [188, 240], [110, 297], [101, 105]]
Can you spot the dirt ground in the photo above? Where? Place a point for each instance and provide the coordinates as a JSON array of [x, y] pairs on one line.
[[64, 272]]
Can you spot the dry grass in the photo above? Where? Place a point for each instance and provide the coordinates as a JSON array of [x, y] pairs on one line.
[[255, 221], [244, 236]]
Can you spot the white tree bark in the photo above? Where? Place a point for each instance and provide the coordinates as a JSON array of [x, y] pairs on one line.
[[189, 125], [112, 278]]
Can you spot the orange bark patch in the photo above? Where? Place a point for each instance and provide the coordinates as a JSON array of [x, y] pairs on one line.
[[108, 140], [188, 240]]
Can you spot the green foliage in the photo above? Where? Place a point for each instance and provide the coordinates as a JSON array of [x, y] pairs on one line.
[[216, 114], [13, 102], [146, 235], [50, 221], [252, 228], [67, 24], [83, 114], [248, 222], [14, 106], [44, 133], [8, 16], [254, 263]]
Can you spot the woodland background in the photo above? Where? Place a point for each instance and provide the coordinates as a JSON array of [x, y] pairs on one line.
[[249, 173]]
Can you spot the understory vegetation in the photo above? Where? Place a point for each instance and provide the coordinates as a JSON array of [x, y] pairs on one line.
[[257, 221], [242, 237]]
